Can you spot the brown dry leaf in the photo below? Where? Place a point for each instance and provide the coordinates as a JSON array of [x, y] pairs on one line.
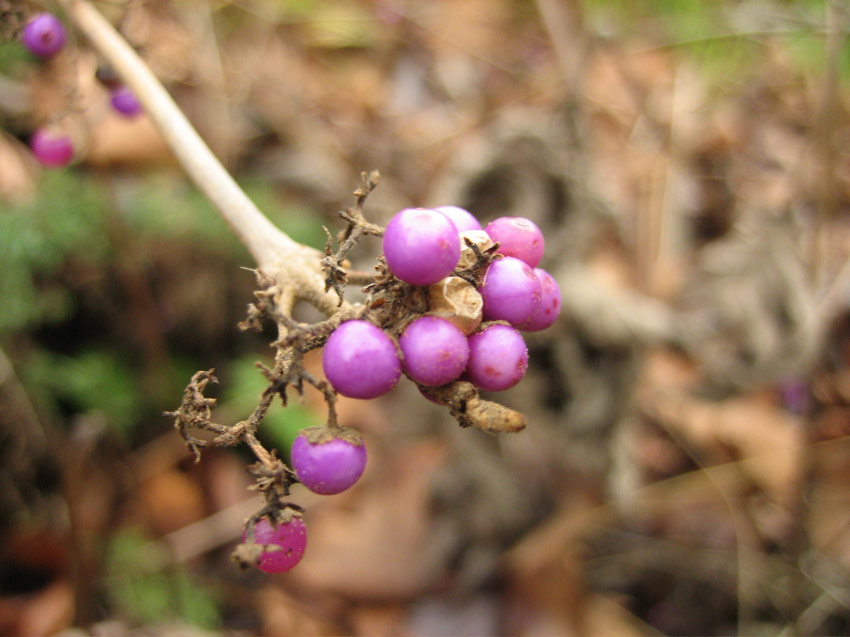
[[377, 550], [768, 440], [45, 612], [829, 501], [546, 574], [380, 620], [130, 141], [17, 171], [172, 500], [282, 615]]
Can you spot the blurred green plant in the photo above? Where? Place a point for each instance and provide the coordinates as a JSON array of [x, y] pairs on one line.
[[93, 380], [726, 40], [147, 591], [36, 238]]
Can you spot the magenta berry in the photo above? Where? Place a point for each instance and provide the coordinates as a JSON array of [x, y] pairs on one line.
[[287, 543], [550, 303], [44, 35], [328, 466], [51, 149], [125, 102], [498, 358], [435, 351], [518, 237], [360, 360], [421, 246], [511, 291], [463, 219]]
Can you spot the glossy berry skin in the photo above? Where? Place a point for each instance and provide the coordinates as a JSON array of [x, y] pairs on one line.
[[421, 246], [51, 149], [360, 360], [328, 467], [44, 35], [517, 237], [125, 102], [462, 218], [291, 538], [550, 303], [435, 351], [510, 291], [498, 358]]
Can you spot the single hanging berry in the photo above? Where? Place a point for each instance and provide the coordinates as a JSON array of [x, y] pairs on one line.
[[286, 541], [327, 463], [44, 35], [51, 149], [125, 102]]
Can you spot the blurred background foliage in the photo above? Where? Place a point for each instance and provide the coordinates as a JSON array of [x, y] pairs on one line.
[[684, 468]]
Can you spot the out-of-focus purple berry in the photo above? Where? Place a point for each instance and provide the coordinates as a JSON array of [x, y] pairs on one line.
[[360, 360], [290, 540], [421, 246], [511, 291], [329, 466], [550, 303], [125, 102], [498, 358], [518, 237], [462, 218], [435, 351], [51, 149], [44, 35]]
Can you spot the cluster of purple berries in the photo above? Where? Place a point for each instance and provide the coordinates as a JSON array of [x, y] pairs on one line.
[[360, 360], [44, 36], [423, 247]]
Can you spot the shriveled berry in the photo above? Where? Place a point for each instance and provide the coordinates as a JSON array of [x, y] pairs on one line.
[[550, 303], [511, 291], [518, 237], [287, 543], [421, 246], [51, 149], [435, 351], [125, 102], [360, 360], [330, 465], [498, 358], [462, 218], [44, 35]]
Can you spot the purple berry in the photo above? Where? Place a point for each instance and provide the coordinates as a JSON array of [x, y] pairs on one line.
[[550, 303], [435, 351], [498, 358], [463, 219], [290, 538], [125, 102], [51, 149], [44, 35], [327, 466], [421, 246], [360, 360], [517, 237], [511, 292]]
